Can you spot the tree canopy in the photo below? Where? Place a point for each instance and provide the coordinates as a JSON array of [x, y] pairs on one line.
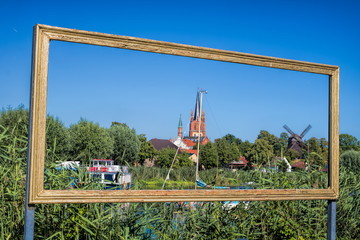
[[147, 150], [348, 142], [318, 146], [208, 155], [88, 141], [350, 160], [232, 139], [227, 152], [245, 148], [15, 122], [126, 144], [278, 144], [166, 156], [261, 152], [57, 140]]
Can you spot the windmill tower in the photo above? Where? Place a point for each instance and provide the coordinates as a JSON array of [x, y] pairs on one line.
[[295, 141]]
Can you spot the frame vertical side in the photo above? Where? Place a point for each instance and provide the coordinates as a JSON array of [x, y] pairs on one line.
[[29, 208], [31, 163], [334, 131], [37, 137]]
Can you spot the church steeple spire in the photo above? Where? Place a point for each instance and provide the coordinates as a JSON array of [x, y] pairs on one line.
[[180, 128], [197, 118]]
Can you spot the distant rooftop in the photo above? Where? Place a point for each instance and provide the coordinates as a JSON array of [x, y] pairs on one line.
[[162, 143]]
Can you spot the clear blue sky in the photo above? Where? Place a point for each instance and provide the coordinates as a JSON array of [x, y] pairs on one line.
[[149, 91]]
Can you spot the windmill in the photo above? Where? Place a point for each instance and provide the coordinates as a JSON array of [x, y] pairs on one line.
[[295, 141]]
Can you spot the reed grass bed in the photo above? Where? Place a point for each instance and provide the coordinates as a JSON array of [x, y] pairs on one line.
[[210, 220]]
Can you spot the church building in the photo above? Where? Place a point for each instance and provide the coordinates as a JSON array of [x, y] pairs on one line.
[[197, 127]]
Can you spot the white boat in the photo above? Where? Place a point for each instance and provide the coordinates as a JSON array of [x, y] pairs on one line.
[[105, 172], [102, 171]]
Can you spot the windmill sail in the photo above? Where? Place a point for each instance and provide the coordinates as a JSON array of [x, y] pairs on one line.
[[289, 130], [305, 131]]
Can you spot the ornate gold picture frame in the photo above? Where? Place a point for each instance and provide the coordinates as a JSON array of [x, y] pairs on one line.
[[37, 194]]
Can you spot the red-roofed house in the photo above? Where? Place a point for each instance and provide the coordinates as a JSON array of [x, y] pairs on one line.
[[297, 163], [241, 163], [189, 143]]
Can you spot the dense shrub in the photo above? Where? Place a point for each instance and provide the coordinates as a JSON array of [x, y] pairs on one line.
[[350, 160]]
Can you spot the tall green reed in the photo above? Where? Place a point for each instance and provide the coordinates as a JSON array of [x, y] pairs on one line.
[[12, 187], [254, 220]]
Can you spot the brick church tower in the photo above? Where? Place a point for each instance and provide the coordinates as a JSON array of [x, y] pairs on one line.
[[197, 117], [194, 125]]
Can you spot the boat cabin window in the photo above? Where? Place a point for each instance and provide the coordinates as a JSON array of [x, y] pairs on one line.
[[96, 176], [109, 177], [96, 163]]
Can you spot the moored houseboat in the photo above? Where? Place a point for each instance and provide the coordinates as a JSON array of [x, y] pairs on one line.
[[104, 171]]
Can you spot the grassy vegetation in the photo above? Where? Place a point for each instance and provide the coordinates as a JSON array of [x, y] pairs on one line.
[[155, 176], [260, 220]]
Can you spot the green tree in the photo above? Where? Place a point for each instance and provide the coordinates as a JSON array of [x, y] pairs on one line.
[[232, 139], [292, 154], [227, 152], [126, 144], [88, 140], [165, 157], [261, 152], [208, 155], [147, 150], [183, 160], [283, 141], [235, 153], [350, 160], [284, 136], [314, 145], [316, 160], [319, 146], [324, 146], [245, 148], [348, 142], [57, 141], [15, 121], [274, 141]]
